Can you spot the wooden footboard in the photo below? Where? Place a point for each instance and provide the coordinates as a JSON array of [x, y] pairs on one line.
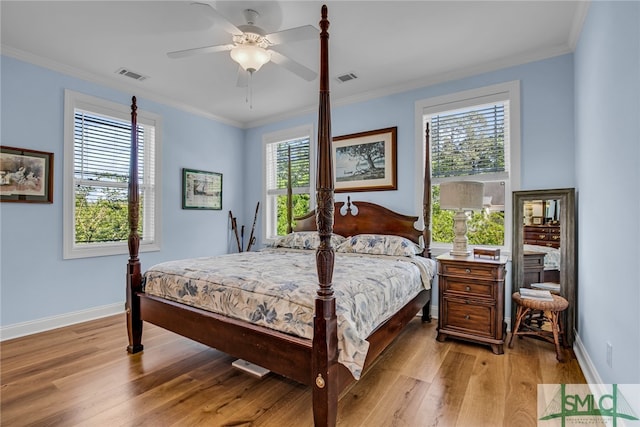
[[284, 354]]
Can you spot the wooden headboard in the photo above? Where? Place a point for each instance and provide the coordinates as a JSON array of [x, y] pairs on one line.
[[364, 218]]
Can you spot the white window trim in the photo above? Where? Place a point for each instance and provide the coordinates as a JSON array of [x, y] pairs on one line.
[[503, 91], [73, 100], [298, 132]]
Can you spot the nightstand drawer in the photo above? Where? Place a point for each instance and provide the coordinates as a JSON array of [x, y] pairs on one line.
[[536, 235], [475, 270], [532, 260], [469, 288], [472, 317]]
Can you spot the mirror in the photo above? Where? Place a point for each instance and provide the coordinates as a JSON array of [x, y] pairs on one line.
[[544, 246]]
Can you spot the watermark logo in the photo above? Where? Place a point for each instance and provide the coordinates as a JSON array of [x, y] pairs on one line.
[[615, 405]]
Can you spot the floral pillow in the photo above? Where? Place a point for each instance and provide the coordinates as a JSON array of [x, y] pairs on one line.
[[305, 240], [380, 244]]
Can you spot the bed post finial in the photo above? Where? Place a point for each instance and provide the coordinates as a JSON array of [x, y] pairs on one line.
[[325, 337], [134, 278]]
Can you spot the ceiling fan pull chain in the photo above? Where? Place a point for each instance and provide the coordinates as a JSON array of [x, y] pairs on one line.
[[250, 91], [246, 97]]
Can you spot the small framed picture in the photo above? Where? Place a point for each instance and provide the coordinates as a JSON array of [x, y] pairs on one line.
[[201, 189], [26, 175], [537, 220]]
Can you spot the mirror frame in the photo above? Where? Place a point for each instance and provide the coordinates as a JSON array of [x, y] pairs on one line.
[[568, 270]]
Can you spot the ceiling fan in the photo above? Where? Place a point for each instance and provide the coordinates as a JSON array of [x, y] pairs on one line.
[[251, 47]]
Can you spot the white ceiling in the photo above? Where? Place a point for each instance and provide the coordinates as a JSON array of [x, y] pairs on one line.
[[390, 45]]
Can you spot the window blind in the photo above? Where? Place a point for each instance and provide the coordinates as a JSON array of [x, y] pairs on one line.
[[101, 173], [102, 148], [469, 141], [278, 163]]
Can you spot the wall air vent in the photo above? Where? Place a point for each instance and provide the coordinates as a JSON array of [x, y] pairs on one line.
[[131, 74], [346, 77]]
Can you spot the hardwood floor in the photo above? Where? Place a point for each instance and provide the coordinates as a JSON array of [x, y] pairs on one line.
[[82, 376]]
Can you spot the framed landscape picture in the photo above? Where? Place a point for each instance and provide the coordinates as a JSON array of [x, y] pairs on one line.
[[26, 175], [201, 189], [365, 161]]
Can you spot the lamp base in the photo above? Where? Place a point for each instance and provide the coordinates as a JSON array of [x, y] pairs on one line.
[[460, 253], [460, 233]]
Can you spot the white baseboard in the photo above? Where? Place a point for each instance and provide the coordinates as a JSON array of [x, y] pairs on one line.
[[47, 323], [588, 368]]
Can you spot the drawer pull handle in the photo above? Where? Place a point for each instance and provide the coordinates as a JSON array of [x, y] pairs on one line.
[[541, 236], [555, 237], [467, 317], [467, 270], [468, 288]]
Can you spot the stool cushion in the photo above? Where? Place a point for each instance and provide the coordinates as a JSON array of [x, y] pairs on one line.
[[558, 303]]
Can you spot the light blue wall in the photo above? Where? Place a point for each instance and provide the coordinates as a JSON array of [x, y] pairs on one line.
[[547, 133], [36, 282], [547, 129], [607, 82]]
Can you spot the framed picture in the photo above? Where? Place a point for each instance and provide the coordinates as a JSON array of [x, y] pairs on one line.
[[26, 175], [201, 189], [365, 161], [537, 220]]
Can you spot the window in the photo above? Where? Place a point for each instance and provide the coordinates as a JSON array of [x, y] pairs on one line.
[[474, 135], [96, 175], [276, 166]]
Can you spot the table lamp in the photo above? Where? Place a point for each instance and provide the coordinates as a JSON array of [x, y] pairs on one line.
[[461, 196]]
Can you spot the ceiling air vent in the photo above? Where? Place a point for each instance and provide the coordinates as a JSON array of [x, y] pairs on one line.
[[346, 77], [131, 74]]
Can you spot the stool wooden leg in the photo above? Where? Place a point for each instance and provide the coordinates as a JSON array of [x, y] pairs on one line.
[[520, 314], [556, 339]]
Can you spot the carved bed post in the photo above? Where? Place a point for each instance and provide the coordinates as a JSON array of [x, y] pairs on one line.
[[426, 214], [325, 338], [289, 193], [134, 278], [426, 197]]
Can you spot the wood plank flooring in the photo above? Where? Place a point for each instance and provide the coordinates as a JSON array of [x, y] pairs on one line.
[[81, 375]]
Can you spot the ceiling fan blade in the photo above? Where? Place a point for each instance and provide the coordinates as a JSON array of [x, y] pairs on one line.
[[306, 32], [218, 18], [293, 66], [243, 77], [199, 50]]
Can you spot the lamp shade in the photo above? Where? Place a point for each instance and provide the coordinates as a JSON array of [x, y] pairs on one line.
[[461, 195], [250, 57]]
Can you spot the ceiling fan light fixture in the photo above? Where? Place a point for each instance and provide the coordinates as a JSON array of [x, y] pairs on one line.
[[250, 57]]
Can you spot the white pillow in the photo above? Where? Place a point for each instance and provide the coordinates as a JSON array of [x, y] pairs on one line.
[[379, 244], [305, 240]]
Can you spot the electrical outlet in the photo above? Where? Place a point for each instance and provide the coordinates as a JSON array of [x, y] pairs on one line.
[[609, 354]]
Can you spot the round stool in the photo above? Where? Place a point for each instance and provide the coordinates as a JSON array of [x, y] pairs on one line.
[[553, 308]]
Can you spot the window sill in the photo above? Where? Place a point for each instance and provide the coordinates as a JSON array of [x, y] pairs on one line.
[[106, 250]]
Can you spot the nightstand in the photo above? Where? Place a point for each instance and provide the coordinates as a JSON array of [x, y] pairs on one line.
[[533, 268], [471, 299]]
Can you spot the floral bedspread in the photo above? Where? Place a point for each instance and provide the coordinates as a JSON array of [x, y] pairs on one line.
[[276, 288]]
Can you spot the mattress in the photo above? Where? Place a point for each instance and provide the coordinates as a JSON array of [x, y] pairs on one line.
[[276, 288]]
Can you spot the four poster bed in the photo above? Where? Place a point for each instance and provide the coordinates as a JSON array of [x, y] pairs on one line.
[[312, 323]]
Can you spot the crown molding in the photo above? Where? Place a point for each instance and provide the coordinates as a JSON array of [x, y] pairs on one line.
[[301, 111], [112, 83]]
